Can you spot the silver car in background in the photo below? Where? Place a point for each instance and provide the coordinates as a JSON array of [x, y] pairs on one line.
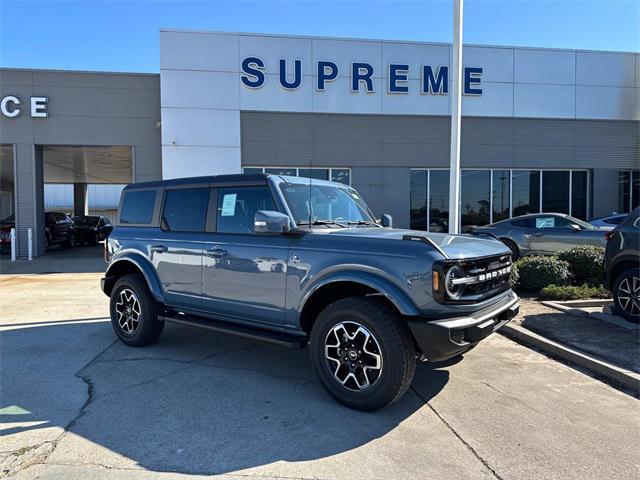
[[544, 233]]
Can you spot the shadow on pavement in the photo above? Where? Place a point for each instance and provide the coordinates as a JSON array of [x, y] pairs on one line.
[[609, 342], [195, 402], [80, 259]]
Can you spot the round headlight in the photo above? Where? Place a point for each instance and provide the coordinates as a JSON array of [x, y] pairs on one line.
[[454, 291]]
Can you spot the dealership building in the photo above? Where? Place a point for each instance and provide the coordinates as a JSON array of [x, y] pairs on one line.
[[542, 129]]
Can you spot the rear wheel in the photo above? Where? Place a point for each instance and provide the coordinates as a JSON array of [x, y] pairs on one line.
[[626, 294], [134, 312], [363, 353], [515, 251]]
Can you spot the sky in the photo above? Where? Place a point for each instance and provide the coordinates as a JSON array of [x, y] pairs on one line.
[[123, 36]]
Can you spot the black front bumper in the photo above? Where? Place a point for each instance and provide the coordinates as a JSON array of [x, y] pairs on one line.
[[439, 340]]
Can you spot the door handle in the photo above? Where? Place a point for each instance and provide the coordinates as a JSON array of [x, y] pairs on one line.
[[159, 248], [216, 252], [536, 234]]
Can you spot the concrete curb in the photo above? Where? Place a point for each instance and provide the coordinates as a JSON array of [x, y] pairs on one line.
[[620, 375], [573, 307]]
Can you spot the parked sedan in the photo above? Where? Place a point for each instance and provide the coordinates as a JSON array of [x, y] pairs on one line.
[[92, 229], [544, 233], [610, 221]]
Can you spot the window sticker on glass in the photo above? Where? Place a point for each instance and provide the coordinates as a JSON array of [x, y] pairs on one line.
[[229, 205], [545, 222]]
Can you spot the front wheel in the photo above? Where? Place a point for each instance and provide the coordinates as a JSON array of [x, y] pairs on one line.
[[363, 353], [626, 294], [134, 312]]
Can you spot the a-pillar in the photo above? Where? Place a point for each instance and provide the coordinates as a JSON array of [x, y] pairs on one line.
[[80, 202]]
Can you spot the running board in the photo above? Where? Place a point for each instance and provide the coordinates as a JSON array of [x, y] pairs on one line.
[[253, 333]]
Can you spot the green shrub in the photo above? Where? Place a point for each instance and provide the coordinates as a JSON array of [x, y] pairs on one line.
[[573, 292], [515, 276], [585, 263], [538, 272]]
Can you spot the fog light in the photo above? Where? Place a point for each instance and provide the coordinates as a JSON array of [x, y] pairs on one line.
[[457, 336]]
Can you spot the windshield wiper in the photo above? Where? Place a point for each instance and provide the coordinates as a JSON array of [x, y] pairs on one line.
[[363, 222], [323, 222]]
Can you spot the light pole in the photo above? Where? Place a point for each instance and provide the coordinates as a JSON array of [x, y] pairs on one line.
[[456, 104]]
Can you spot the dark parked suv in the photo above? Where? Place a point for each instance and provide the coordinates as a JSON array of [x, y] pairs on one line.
[[59, 229], [622, 266], [303, 262]]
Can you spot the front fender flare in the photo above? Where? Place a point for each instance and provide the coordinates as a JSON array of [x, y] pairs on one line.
[[401, 300], [145, 267]]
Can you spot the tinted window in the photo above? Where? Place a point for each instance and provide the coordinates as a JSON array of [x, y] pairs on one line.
[[137, 206], [523, 222], [185, 209], [418, 200], [237, 208], [526, 192], [439, 201], [475, 197], [555, 192]]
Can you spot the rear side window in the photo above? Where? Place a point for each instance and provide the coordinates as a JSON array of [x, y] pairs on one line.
[[524, 223], [185, 209], [137, 207]]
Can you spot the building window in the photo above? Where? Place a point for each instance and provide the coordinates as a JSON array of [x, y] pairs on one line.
[[488, 196], [418, 199], [500, 181], [628, 190], [317, 173], [525, 197], [579, 195], [555, 191], [438, 220], [341, 175], [475, 201]]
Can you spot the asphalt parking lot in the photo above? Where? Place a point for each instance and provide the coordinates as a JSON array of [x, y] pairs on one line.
[[76, 404]]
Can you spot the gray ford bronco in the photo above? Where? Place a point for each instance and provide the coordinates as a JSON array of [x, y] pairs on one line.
[[303, 262]]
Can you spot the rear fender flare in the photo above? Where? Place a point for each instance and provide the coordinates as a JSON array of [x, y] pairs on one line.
[[147, 270]]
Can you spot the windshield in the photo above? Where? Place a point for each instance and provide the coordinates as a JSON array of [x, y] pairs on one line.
[[9, 220], [325, 203], [86, 220]]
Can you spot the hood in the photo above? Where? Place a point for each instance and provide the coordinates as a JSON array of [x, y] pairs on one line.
[[455, 246]]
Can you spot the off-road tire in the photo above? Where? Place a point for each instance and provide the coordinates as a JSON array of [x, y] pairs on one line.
[[631, 312], [396, 347], [148, 327]]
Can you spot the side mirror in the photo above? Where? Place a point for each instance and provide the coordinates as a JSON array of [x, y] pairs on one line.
[[575, 228], [387, 220], [269, 222]]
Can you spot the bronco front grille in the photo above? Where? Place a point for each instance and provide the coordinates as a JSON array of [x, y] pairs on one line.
[[473, 279]]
